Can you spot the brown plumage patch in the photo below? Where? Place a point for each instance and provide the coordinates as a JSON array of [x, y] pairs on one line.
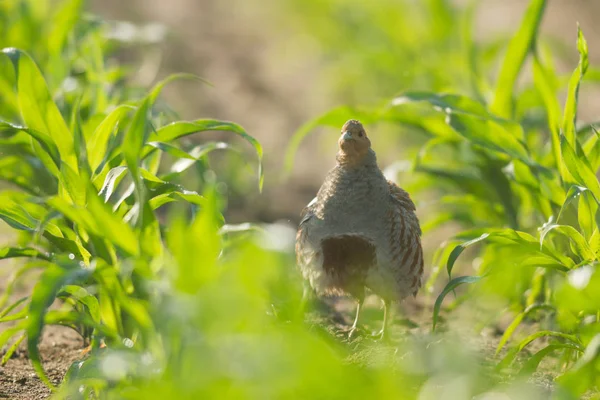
[[346, 260]]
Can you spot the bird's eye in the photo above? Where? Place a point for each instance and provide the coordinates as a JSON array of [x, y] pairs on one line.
[[360, 134]]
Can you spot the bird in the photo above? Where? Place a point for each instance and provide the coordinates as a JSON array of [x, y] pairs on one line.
[[360, 231]]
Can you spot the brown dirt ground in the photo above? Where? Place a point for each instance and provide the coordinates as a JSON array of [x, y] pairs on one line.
[[59, 348]]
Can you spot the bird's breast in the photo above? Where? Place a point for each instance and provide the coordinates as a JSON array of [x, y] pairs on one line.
[[354, 202]]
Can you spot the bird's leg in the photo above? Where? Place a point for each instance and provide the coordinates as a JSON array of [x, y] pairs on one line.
[[384, 333], [355, 324]]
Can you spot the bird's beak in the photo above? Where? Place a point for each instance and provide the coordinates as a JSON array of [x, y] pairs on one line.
[[347, 136]]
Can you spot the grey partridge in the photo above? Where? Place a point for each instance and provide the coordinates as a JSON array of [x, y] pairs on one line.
[[361, 231]]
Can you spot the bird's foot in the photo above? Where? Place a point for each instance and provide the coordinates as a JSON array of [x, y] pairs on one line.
[[383, 336], [353, 333]]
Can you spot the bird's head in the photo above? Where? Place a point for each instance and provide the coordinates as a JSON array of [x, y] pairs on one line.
[[354, 144]]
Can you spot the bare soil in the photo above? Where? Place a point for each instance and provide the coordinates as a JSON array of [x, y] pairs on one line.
[[59, 348]]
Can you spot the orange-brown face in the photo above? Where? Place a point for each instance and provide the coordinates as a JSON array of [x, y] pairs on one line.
[[354, 142]]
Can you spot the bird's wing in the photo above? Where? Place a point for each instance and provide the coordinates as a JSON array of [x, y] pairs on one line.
[[307, 212], [302, 248], [405, 237]]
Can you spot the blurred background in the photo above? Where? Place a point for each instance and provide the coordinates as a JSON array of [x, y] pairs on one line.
[[277, 64]]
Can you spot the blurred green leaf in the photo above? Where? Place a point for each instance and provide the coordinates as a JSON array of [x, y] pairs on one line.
[[44, 293], [518, 320], [43, 139], [472, 121], [11, 350], [582, 247], [180, 129], [81, 295], [39, 111], [579, 168], [65, 19], [509, 358], [518, 49], [447, 289]]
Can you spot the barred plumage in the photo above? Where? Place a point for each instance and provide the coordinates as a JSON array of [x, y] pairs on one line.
[[361, 230]]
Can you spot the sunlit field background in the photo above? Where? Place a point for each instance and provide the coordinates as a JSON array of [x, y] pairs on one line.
[[155, 157]]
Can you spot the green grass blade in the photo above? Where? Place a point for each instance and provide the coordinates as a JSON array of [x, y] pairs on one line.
[[9, 333], [459, 249], [570, 112], [453, 284], [63, 23], [44, 293], [518, 49], [13, 306], [509, 358], [517, 321], [11, 350], [531, 365], [546, 84]]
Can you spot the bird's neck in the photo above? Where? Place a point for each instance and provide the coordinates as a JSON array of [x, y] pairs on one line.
[[356, 160]]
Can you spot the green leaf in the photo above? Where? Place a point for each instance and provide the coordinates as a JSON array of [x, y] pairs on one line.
[[63, 23], [27, 173], [11, 350], [573, 193], [586, 214], [98, 219], [180, 129], [10, 332], [13, 306], [459, 249], [472, 121], [81, 295], [532, 363], [38, 110], [44, 293], [570, 112], [45, 141], [164, 198], [579, 168], [12, 252], [582, 248], [518, 49], [98, 142], [517, 321], [73, 184], [453, 284], [592, 150], [509, 358], [111, 181], [546, 84], [194, 155]]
